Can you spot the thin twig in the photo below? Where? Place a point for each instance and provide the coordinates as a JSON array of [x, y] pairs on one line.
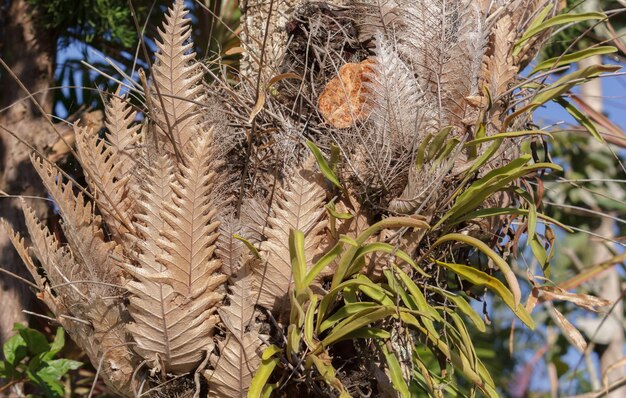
[[40, 316], [21, 279]]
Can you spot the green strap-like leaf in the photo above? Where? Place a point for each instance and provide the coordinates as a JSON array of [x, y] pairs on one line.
[[463, 306], [344, 312], [269, 360], [325, 168], [580, 117], [508, 134], [249, 245], [493, 212], [572, 58], [567, 82], [480, 278], [298, 261], [395, 372], [508, 273], [555, 21], [388, 249]]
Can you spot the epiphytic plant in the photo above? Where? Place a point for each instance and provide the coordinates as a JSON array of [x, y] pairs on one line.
[[226, 247]]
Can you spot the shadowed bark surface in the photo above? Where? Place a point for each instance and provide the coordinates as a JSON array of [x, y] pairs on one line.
[[30, 53]]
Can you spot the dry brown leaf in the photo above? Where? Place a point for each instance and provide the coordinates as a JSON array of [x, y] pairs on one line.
[[572, 334], [70, 296], [63, 146], [111, 341], [590, 303], [124, 137], [258, 106], [298, 205], [501, 70], [175, 291], [108, 182], [178, 80], [343, 103], [230, 250], [82, 228], [44, 293], [240, 350], [58, 263], [60, 149]]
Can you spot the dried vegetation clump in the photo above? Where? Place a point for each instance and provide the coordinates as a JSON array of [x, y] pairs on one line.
[[202, 240]]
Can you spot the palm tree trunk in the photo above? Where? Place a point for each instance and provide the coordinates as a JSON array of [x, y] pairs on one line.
[[264, 33]]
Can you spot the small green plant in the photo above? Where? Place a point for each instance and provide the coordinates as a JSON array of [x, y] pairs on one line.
[[30, 358]]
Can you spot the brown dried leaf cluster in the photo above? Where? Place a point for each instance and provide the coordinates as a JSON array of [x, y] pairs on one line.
[[343, 103]]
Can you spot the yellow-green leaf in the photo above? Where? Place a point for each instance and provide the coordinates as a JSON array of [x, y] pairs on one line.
[[480, 278], [309, 325], [463, 306], [395, 372], [326, 170], [249, 245], [580, 117], [572, 58], [508, 273], [263, 373], [344, 312], [567, 82], [508, 134], [561, 19]]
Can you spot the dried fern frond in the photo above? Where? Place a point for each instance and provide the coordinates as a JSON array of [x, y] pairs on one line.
[[499, 68], [416, 193], [174, 295], [298, 205], [112, 343], [123, 136], [82, 228], [109, 184], [250, 225], [398, 110], [230, 250], [444, 42], [89, 311], [177, 81], [44, 293], [58, 263], [240, 351]]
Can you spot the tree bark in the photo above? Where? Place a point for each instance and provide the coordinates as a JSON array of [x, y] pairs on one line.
[[264, 33], [29, 52]]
